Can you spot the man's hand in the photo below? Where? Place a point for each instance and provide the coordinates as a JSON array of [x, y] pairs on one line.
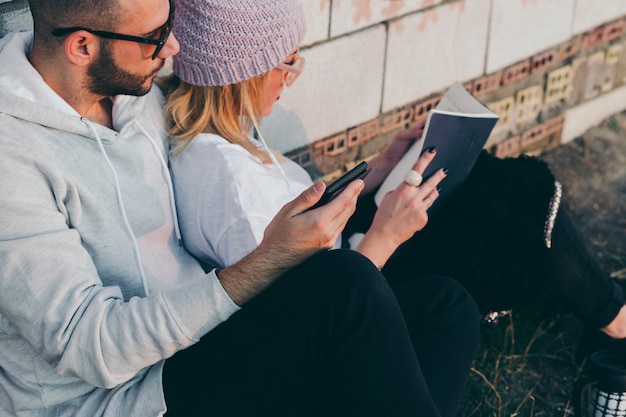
[[293, 235]]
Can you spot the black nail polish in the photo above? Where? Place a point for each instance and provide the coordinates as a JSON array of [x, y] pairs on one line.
[[446, 170], [432, 149]]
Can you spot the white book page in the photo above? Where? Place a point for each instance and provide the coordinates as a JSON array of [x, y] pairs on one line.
[[456, 101]]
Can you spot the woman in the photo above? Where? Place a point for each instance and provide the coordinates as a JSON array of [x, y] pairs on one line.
[[491, 235], [238, 56]]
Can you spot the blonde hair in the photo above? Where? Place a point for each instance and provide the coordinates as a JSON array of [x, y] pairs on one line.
[[230, 111]]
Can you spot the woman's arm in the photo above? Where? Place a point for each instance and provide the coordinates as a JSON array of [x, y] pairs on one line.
[[401, 213]]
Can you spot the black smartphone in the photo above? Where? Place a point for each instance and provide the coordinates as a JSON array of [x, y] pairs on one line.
[[336, 187]]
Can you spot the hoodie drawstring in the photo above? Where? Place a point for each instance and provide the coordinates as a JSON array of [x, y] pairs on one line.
[[120, 202], [168, 180]]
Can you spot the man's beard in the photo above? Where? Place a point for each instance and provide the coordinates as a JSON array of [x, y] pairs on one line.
[[107, 79]]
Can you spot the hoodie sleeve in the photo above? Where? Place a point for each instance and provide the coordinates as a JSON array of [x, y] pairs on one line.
[[53, 294]]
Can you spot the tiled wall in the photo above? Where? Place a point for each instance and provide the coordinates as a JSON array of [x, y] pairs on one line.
[[550, 68]]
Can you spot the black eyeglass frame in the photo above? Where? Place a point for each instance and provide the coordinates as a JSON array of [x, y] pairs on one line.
[[166, 30]]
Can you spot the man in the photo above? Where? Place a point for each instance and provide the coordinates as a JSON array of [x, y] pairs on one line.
[[96, 291]]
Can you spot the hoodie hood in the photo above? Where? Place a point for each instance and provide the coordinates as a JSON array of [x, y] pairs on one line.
[[25, 95]]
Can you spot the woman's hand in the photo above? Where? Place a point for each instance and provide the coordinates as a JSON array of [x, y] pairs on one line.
[[401, 143], [401, 213], [384, 163]]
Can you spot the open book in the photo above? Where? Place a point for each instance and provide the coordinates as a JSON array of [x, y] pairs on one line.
[[458, 127]]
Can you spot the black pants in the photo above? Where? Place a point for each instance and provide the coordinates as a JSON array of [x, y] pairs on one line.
[[581, 285], [332, 338]]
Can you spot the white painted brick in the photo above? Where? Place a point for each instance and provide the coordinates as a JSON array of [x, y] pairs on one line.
[[429, 50], [521, 28], [340, 87], [584, 116], [590, 13], [351, 15], [317, 14]]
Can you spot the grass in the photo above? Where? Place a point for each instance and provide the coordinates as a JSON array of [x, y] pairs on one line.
[[614, 124], [526, 366]]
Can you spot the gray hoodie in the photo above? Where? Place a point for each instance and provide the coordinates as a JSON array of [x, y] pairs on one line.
[[95, 288]]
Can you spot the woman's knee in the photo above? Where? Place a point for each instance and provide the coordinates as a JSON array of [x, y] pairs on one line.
[[442, 297], [453, 298]]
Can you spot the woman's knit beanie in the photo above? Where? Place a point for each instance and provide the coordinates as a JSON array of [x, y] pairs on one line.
[[227, 41]]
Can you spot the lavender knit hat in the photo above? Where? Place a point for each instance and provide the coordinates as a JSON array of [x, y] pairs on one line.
[[227, 41]]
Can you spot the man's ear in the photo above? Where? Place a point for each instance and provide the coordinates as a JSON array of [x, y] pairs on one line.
[[81, 47]]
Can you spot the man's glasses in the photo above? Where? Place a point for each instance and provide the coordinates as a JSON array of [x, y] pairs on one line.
[[293, 68], [163, 33]]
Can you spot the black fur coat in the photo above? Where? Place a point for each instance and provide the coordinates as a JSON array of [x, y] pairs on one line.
[[489, 234]]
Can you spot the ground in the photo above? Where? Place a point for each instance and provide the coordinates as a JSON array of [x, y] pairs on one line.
[[527, 365], [592, 170]]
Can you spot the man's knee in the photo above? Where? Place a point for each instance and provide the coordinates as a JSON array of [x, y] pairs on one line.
[[342, 280], [337, 268]]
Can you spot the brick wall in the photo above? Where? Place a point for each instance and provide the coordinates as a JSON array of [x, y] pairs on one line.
[[550, 69]]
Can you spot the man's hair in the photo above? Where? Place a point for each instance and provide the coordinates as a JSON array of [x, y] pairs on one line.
[[93, 14]]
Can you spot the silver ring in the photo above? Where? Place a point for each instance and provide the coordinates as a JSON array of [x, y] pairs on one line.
[[413, 178]]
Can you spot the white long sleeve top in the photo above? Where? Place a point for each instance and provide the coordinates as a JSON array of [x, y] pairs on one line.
[[226, 197]]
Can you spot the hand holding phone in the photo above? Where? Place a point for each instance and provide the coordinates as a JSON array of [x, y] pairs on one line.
[[336, 187]]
